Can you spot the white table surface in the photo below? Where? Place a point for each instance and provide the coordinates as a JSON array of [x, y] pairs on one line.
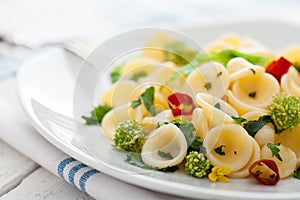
[[34, 22]]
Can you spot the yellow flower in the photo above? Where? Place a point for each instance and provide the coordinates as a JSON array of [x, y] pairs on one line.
[[218, 173]]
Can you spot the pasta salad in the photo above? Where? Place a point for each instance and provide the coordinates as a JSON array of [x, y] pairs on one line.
[[231, 112]]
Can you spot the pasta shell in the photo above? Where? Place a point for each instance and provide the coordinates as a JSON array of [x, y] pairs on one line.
[[211, 78], [200, 123], [289, 159], [244, 172], [289, 86], [214, 115], [117, 115], [290, 139], [167, 139], [239, 68], [119, 93], [240, 106], [230, 137], [256, 90]]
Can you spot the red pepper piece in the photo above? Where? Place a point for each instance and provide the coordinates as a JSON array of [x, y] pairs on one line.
[[265, 171], [181, 104], [279, 68]]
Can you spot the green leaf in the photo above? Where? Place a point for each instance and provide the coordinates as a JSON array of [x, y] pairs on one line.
[[297, 66], [116, 73], [96, 115], [253, 126], [136, 76], [163, 154], [148, 98], [222, 57], [136, 103], [136, 160], [179, 53], [252, 94], [218, 106], [188, 130], [275, 150], [297, 173], [219, 150]]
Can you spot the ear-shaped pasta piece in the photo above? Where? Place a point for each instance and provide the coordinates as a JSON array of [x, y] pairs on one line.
[[228, 145], [117, 115], [166, 140], [215, 109], [289, 85], [290, 139], [240, 67], [137, 65], [226, 41], [250, 45], [264, 135], [119, 93], [244, 172], [200, 123], [164, 73], [289, 159], [211, 78], [240, 106], [295, 75], [256, 90]]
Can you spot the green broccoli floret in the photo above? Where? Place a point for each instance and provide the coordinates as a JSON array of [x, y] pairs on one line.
[[197, 164], [285, 111], [129, 136]]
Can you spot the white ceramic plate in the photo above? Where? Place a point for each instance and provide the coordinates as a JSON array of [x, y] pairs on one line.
[[49, 78]]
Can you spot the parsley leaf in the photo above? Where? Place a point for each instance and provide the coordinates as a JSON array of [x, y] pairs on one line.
[[136, 76], [218, 106], [252, 94], [163, 154], [297, 173], [297, 66], [116, 74], [222, 57], [275, 150], [96, 115], [179, 53], [148, 98], [219, 150], [207, 85], [238, 120], [136, 160], [253, 126]]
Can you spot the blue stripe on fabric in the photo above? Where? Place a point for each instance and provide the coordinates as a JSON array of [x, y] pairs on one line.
[[61, 166], [85, 177], [73, 171]]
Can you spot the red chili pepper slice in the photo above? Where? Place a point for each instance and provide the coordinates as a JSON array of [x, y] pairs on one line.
[[279, 68], [181, 104], [265, 171]]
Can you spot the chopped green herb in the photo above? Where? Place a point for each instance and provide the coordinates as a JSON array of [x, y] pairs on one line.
[[218, 106], [238, 120], [222, 57], [116, 73], [252, 94], [179, 53], [163, 154], [219, 150], [96, 115], [275, 150], [235, 153], [219, 74], [207, 85], [138, 75], [253, 126], [253, 71], [297, 173], [147, 98], [136, 160]]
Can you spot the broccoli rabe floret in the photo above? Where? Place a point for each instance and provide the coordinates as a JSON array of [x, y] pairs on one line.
[[129, 136], [285, 111], [197, 164]]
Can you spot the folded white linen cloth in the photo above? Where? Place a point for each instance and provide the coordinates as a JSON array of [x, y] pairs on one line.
[[17, 131]]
